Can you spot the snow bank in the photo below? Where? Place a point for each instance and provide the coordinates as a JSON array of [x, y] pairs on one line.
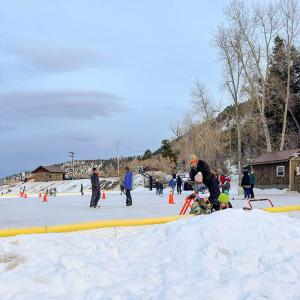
[[227, 255]]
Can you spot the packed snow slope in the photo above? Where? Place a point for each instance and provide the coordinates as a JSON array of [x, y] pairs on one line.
[[231, 254], [65, 186]]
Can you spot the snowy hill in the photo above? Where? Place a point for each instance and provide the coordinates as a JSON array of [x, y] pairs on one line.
[[227, 255], [66, 186]]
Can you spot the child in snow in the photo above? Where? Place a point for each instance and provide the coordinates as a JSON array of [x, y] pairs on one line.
[[201, 205], [223, 202], [227, 186]]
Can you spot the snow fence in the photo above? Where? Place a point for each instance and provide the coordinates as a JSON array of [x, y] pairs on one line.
[[112, 228]]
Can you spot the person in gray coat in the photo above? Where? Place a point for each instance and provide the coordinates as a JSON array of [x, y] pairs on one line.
[[95, 189]]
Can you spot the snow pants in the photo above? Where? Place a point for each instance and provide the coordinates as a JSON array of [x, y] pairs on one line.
[[95, 197], [251, 191], [179, 189], [128, 198]]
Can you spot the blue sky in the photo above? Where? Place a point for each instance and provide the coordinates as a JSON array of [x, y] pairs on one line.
[[81, 75]]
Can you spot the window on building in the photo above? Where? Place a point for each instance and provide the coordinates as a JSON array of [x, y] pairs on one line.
[[280, 171]]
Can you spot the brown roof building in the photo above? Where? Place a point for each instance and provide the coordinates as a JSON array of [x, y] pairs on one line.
[[278, 169], [48, 173]]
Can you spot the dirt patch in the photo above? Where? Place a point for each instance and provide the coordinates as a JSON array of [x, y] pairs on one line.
[[12, 259]]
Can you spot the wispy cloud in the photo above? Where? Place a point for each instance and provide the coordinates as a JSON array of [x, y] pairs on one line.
[[52, 58], [69, 104]]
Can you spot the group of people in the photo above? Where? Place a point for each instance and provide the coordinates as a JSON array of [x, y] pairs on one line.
[[207, 194], [206, 190], [173, 183], [52, 192], [248, 182], [127, 187]]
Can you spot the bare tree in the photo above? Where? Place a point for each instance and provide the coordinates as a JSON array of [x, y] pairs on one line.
[[202, 103], [254, 31], [232, 75], [290, 13], [176, 129]]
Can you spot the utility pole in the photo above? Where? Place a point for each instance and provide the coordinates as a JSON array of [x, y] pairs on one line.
[[72, 155], [118, 159]]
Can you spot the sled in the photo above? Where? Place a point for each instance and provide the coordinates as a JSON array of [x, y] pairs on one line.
[[186, 205], [260, 200]]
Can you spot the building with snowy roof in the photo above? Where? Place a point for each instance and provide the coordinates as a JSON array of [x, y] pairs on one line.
[[279, 169], [48, 173]]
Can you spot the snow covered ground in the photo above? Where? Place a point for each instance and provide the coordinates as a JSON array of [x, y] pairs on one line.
[[74, 208], [230, 254]]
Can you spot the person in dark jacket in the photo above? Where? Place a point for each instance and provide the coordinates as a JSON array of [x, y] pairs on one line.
[[128, 186], [223, 202], [252, 183], [179, 183], [122, 189], [217, 177], [246, 184], [81, 189], [95, 189], [209, 179]]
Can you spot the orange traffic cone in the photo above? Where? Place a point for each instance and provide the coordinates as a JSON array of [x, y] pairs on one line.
[[40, 195], [25, 196], [171, 199], [103, 194], [45, 198]]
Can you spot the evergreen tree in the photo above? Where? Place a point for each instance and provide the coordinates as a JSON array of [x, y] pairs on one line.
[[276, 94], [147, 155], [167, 151]]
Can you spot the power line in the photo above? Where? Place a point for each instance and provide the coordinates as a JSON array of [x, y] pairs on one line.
[[108, 150], [131, 148]]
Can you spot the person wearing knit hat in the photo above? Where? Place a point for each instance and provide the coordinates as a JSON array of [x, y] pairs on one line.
[[223, 202], [209, 178], [193, 160], [199, 177], [201, 205]]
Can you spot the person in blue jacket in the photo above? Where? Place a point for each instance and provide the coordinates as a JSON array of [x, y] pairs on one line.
[[172, 184], [128, 186]]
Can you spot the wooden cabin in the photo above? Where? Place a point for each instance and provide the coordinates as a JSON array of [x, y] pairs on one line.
[[278, 170], [48, 173]]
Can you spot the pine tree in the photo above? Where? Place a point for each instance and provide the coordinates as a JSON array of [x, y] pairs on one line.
[[147, 155], [167, 151], [276, 94]]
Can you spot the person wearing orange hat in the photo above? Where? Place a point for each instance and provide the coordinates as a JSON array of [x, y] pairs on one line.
[[209, 179]]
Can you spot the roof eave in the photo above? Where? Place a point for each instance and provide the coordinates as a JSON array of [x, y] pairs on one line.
[[269, 162]]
